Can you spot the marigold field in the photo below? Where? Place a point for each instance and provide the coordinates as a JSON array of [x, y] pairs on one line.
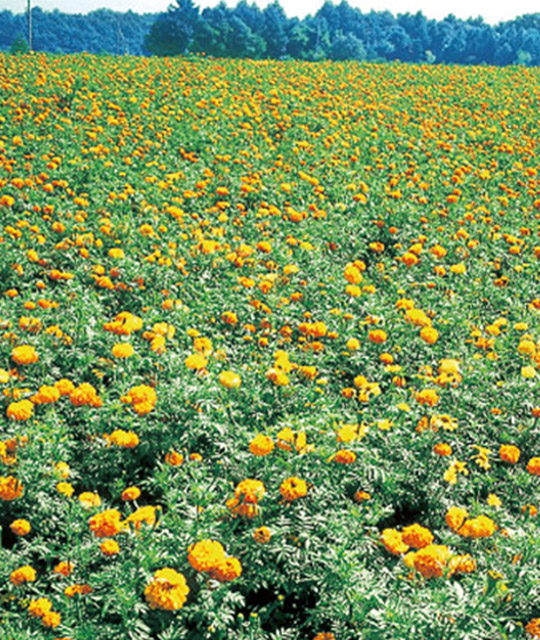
[[270, 350]]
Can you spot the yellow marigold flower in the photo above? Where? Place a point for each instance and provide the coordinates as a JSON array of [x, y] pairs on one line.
[[393, 541], [124, 439], [116, 253], [205, 555], [528, 372], [417, 536], [106, 524], [168, 590], [62, 469], [39, 607], [22, 410], [24, 354], [455, 517], [65, 488], [147, 515], [417, 317], [130, 493], [22, 575], [122, 350], [109, 548], [352, 344], [229, 380], [293, 488], [20, 527], [261, 445], [461, 564], [431, 560], [262, 535], [89, 499], [227, 570], [10, 488]]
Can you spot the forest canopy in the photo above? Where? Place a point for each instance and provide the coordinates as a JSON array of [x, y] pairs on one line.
[[334, 32]]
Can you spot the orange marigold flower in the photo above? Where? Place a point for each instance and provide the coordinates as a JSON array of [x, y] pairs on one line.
[[64, 568], [427, 396], [533, 628], [429, 335], [168, 590], [262, 535], [431, 560], [65, 386], [509, 453], [227, 570], [174, 459], [85, 394], [479, 527], [51, 619], [533, 466], [293, 488], [417, 536], [344, 456], [442, 449], [325, 636], [377, 336], [130, 493], [10, 488], [106, 524]]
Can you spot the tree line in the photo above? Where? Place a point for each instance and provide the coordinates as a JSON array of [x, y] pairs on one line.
[[334, 32]]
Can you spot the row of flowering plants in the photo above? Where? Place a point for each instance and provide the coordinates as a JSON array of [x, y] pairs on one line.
[[269, 350]]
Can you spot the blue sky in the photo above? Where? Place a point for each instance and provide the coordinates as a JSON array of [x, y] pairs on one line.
[[490, 10]]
